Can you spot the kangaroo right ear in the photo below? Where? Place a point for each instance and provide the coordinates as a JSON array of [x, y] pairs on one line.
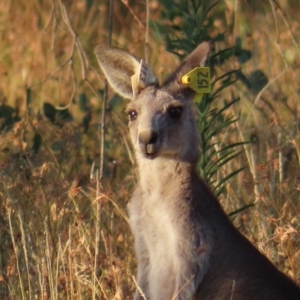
[[126, 75], [196, 59]]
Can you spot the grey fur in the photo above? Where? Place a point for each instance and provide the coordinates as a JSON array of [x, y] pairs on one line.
[[187, 248]]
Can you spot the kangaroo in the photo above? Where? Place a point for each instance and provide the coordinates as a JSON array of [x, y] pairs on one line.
[[186, 246]]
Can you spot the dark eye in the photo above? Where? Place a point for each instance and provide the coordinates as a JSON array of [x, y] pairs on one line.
[[175, 112], [132, 115]]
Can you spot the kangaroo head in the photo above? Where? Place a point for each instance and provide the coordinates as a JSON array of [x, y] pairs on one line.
[[161, 118]]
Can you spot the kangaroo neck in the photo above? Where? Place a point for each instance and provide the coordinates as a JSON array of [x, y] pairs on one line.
[[159, 173]]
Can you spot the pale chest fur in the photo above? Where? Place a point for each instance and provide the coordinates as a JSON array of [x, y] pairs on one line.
[[158, 240], [154, 221], [157, 209]]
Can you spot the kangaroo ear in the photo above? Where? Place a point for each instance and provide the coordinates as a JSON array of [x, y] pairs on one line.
[[126, 75], [196, 59]]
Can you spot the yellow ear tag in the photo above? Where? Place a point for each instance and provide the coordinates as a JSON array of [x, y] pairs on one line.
[[199, 81]]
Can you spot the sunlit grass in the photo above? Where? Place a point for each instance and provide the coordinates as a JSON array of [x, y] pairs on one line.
[[64, 234]]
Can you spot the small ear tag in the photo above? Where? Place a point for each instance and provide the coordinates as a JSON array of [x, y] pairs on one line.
[[145, 77], [142, 78], [199, 81]]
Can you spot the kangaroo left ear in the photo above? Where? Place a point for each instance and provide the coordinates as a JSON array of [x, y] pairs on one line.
[[126, 75], [196, 59]]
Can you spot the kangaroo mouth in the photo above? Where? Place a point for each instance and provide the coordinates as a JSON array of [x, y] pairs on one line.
[[150, 156], [149, 151]]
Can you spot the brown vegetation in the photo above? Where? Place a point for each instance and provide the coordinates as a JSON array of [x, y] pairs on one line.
[[65, 234]]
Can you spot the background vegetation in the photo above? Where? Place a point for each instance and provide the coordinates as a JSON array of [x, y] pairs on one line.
[[64, 231]]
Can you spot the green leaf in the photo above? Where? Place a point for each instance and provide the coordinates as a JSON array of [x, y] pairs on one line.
[[224, 85], [49, 111], [228, 74], [83, 102], [220, 57], [64, 115], [241, 209], [219, 191], [258, 80], [234, 145], [116, 99], [58, 145], [28, 97], [230, 175], [220, 126], [243, 56], [37, 142], [222, 161], [6, 111], [225, 107], [238, 42]]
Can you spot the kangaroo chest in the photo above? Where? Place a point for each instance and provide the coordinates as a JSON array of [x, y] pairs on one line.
[[156, 222]]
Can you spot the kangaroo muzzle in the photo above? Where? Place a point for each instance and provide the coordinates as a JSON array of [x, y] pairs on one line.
[[148, 142]]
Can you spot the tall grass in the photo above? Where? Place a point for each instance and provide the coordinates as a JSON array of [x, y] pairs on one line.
[[54, 242]]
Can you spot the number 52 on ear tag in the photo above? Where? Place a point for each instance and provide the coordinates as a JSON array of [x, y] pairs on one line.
[[199, 81]]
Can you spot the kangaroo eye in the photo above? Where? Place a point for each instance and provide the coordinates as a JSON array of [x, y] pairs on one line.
[[175, 112], [132, 115]]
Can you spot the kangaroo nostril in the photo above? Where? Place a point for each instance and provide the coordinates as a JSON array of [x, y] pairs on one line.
[[153, 138], [148, 137]]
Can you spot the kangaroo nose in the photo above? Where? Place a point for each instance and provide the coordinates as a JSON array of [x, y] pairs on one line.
[[148, 141], [148, 137]]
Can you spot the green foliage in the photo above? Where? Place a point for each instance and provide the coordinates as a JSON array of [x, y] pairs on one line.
[[196, 22], [257, 79], [51, 200], [241, 54], [183, 36], [57, 117], [8, 117], [37, 142], [49, 111]]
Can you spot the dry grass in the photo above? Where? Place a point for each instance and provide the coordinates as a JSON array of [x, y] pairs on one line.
[[64, 234]]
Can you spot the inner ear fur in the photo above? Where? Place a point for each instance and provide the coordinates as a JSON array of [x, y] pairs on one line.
[[118, 66]]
